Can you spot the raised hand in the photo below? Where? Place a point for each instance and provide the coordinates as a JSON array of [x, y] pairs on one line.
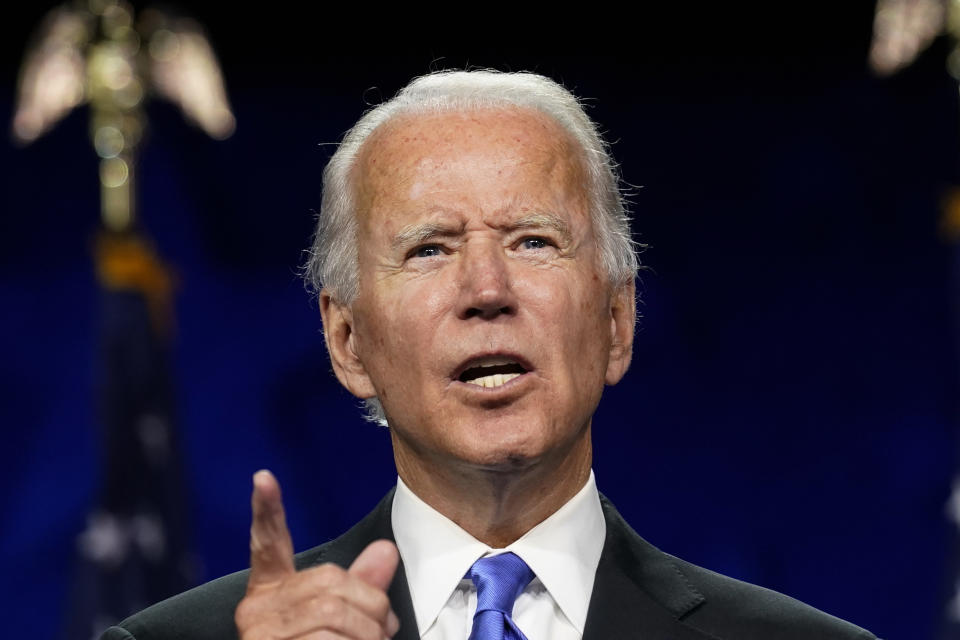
[[326, 601]]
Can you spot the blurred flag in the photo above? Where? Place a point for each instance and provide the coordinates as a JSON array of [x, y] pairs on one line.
[[951, 624], [135, 548], [903, 29], [950, 232]]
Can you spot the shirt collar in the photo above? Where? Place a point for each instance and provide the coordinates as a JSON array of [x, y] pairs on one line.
[[563, 551]]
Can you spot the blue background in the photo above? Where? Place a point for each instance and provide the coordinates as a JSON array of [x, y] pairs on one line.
[[790, 415]]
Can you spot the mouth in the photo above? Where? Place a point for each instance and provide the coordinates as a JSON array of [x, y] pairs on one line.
[[490, 372]]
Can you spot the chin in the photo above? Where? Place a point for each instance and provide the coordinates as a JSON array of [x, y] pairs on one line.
[[507, 462], [506, 451]]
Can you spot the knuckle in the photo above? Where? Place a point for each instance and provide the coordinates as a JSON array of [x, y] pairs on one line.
[[328, 575], [257, 541], [243, 613], [330, 608], [380, 603]]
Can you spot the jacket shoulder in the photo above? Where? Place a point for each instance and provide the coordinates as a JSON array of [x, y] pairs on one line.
[[206, 612], [732, 608], [693, 602], [202, 613]]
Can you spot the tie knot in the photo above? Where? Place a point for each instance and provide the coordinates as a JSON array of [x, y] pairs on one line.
[[499, 580]]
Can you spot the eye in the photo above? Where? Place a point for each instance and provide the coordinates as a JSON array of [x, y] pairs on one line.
[[427, 251], [534, 242]]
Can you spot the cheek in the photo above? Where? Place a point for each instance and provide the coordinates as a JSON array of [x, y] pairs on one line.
[[573, 308], [419, 306], [402, 325], [575, 320]]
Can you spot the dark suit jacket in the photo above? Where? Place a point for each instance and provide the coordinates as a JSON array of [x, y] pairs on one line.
[[639, 592]]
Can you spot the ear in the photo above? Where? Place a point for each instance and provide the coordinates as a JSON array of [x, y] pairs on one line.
[[340, 338], [623, 318]]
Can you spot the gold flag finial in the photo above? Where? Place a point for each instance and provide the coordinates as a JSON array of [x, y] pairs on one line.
[[96, 52]]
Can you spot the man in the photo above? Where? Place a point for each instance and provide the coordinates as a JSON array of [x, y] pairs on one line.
[[476, 280]]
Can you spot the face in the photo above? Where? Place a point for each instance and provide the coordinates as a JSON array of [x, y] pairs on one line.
[[483, 324]]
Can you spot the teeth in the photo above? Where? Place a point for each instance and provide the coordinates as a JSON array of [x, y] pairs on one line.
[[495, 380]]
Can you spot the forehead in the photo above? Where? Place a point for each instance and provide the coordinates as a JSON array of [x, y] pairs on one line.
[[487, 150]]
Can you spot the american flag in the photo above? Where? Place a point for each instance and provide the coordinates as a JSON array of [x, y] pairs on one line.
[[135, 549], [950, 628], [951, 625]]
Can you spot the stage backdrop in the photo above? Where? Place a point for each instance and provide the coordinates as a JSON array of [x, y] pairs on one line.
[[789, 418]]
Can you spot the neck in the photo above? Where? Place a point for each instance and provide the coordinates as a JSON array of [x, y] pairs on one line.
[[497, 505]]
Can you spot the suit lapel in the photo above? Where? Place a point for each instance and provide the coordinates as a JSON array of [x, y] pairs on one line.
[[638, 592], [342, 551]]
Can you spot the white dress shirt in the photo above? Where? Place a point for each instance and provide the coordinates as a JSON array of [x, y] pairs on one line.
[[563, 551]]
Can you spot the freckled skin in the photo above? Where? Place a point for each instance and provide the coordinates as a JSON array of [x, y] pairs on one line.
[[486, 287]]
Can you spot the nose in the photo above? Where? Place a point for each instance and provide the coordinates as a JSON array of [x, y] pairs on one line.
[[485, 282]]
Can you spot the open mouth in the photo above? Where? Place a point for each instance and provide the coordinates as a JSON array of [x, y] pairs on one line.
[[492, 372]]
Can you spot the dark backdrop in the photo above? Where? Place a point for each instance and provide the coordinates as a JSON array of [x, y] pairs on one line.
[[789, 418]]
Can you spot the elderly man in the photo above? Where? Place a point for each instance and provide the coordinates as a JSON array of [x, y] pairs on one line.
[[476, 282]]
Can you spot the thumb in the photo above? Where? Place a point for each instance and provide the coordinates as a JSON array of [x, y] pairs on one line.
[[376, 564], [271, 549]]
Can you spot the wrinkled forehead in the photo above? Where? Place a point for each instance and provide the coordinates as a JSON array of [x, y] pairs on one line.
[[410, 142]]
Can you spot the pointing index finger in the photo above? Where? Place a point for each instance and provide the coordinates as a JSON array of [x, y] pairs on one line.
[[271, 549]]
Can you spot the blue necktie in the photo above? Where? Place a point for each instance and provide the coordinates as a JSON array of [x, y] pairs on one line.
[[499, 580]]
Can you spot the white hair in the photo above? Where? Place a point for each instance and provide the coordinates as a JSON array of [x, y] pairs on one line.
[[332, 262]]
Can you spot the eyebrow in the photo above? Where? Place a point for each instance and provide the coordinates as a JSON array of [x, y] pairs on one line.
[[419, 233], [542, 221], [416, 234]]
